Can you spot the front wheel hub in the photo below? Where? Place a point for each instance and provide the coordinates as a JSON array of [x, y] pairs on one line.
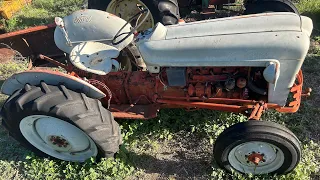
[[256, 157]]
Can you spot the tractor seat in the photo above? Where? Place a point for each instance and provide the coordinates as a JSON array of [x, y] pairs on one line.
[[95, 57]]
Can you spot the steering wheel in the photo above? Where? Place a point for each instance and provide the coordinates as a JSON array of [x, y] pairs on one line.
[[143, 11]]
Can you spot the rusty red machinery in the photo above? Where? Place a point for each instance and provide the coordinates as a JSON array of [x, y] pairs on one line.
[[140, 94], [135, 92], [202, 95], [139, 91], [30, 43]]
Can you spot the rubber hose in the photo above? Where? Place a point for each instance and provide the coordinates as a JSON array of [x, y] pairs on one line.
[[255, 89]]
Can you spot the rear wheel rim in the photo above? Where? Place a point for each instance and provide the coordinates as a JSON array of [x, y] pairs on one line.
[[273, 157], [58, 138], [126, 9]]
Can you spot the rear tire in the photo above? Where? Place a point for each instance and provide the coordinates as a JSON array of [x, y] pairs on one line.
[[75, 108], [262, 6]]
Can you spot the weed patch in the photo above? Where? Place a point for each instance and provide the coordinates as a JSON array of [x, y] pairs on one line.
[[41, 12]]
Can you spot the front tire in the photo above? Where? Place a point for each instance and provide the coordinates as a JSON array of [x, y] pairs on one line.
[[61, 123], [257, 147]]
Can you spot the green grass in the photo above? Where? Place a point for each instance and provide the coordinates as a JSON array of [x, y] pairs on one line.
[[177, 144], [41, 12], [311, 8], [6, 70]]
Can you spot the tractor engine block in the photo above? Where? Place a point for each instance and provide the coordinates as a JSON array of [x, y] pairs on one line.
[[217, 83], [183, 83]]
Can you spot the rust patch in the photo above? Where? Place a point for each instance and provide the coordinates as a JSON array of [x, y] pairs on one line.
[[255, 158]]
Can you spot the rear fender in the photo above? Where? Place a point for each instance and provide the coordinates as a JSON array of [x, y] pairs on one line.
[[34, 77]]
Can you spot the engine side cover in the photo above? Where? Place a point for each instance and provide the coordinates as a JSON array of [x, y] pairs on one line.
[[91, 25]]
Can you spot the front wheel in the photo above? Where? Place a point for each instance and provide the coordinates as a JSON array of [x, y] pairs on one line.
[[257, 147], [61, 123]]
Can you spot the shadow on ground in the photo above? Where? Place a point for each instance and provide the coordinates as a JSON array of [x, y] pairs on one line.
[[165, 168]]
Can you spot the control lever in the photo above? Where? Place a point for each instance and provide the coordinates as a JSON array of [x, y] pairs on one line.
[[59, 22]]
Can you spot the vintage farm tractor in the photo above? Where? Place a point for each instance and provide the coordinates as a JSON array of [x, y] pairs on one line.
[[244, 64]]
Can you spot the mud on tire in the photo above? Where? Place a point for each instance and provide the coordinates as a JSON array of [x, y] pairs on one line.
[[73, 107]]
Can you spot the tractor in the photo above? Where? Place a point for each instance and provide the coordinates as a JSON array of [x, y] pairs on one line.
[[243, 64]]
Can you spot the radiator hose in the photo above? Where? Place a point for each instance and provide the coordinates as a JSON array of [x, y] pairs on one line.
[[256, 89]]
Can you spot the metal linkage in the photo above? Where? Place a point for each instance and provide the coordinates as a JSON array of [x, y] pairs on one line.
[[57, 63], [105, 87], [258, 109]]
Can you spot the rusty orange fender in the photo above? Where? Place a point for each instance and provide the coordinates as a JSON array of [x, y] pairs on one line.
[[34, 77]]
